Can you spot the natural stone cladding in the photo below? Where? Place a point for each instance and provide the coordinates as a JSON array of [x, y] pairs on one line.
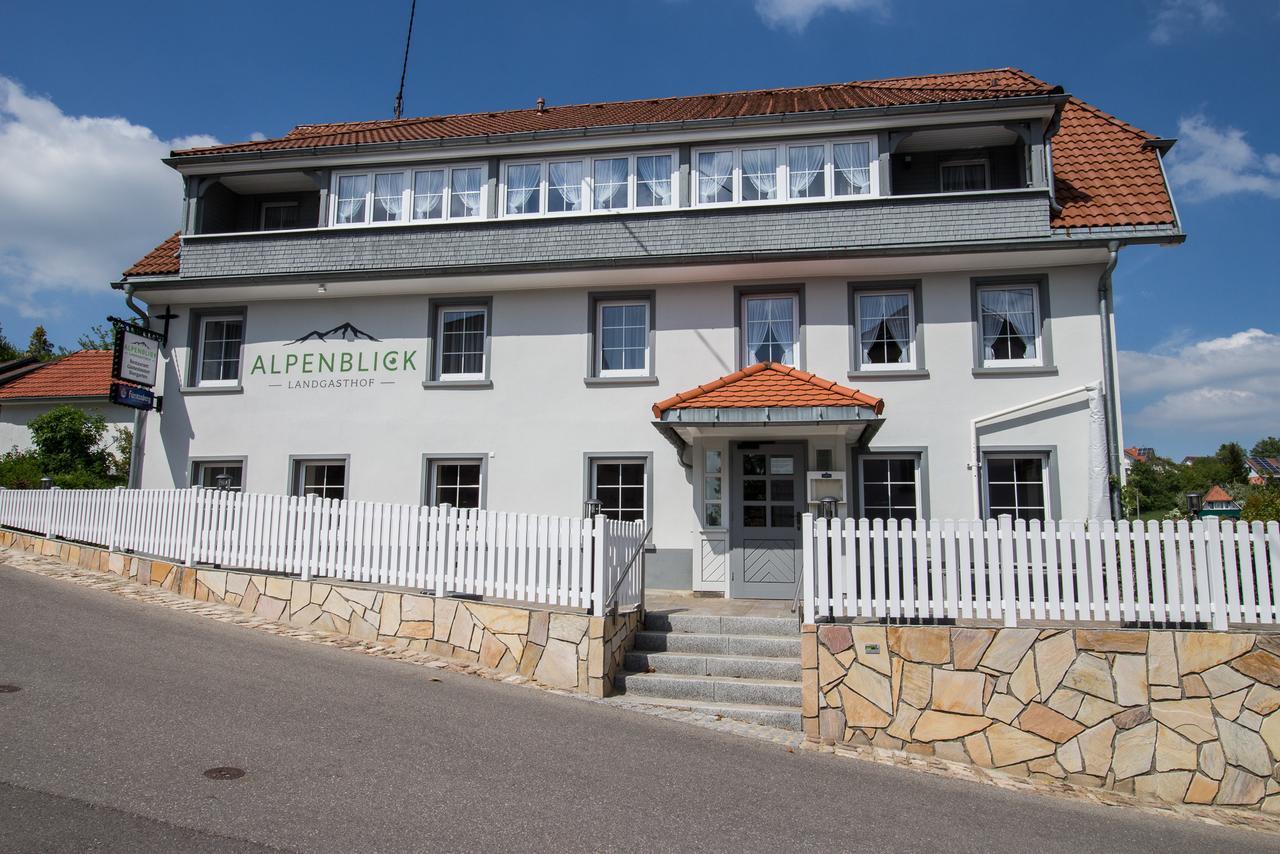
[[1180, 716], [570, 651]]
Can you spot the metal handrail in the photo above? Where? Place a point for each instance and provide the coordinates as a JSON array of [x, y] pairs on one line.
[[613, 595]]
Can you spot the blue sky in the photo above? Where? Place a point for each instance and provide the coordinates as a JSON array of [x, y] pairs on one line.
[[92, 94]]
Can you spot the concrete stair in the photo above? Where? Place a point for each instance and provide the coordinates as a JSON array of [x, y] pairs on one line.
[[742, 668]]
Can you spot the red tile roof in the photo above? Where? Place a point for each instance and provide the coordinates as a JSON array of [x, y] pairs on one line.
[[161, 261], [1217, 493], [86, 373], [768, 384]]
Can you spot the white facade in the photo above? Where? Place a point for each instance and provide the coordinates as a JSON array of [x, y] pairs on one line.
[[15, 416]]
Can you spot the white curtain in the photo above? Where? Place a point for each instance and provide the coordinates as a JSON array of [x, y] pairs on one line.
[[655, 173], [760, 168], [519, 189], [1008, 311], [351, 193], [610, 185], [853, 164], [388, 194], [770, 330], [884, 318], [715, 176], [566, 178], [806, 170], [466, 192], [428, 194]]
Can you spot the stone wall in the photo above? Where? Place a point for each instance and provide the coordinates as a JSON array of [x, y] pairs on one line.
[[1171, 715], [572, 651]]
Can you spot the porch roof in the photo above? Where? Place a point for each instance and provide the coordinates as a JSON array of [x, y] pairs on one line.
[[769, 386]]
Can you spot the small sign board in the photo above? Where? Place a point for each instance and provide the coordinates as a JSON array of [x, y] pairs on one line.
[[132, 396], [136, 354]]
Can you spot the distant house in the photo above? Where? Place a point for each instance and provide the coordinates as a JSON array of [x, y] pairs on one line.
[[1263, 469], [81, 379], [1217, 502], [1137, 455], [1186, 461]]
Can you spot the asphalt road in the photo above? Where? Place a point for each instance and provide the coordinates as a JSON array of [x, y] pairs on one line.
[[124, 705]]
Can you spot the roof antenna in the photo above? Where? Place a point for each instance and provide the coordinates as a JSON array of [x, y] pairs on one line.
[[413, 8]]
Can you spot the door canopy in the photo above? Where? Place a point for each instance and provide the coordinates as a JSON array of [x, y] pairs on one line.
[[771, 393]]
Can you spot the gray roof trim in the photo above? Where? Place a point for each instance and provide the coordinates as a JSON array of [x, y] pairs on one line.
[[737, 416]]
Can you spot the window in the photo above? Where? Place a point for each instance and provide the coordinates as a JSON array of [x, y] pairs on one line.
[[771, 329], [889, 487], [713, 489], [654, 181], [610, 185], [814, 170], [218, 350], [852, 168], [1016, 485], [321, 478], [420, 195], [615, 183], [623, 336], [524, 189], [564, 186], [807, 171], [885, 324], [715, 177], [278, 215], [619, 486], [457, 483], [210, 473], [1009, 320], [759, 174], [965, 176], [460, 347]]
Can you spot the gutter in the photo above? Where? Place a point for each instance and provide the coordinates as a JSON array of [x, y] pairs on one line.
[[1111, 384]]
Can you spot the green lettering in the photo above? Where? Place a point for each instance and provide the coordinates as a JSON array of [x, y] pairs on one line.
[[274, 370], [326, 362], [408, 360], [257, 366], [306, 362], [289, 361], [360, 363], [390, 360], [345, 363]]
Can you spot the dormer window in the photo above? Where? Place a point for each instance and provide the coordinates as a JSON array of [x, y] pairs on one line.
[[808, 171], [965, 176], [408, 195]]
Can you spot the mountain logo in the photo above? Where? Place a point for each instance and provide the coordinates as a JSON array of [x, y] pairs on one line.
[[343, 332]]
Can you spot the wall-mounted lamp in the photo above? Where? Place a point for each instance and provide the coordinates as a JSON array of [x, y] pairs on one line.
[[322, 288]]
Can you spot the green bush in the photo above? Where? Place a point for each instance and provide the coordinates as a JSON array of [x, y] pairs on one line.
[[69, 450], [1262, 505]]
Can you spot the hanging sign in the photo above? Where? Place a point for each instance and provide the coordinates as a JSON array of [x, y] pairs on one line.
[[136, 353], [132, 396]]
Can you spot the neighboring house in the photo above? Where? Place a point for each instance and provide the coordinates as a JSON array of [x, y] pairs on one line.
[[1217, 502], [1189, 460], [706, 312], [1263, 469], [81, 379], [1137, 455]]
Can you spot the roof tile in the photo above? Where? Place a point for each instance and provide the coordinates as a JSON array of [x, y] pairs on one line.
[[86, 373], [768, 384]]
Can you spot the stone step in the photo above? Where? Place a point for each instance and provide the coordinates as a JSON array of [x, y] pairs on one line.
[[715, 644], [695, 664], [778, 717], [714, 689], [713, 624]]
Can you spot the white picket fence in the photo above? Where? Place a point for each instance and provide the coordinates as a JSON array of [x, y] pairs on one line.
[[552, 560], [1214, 571]]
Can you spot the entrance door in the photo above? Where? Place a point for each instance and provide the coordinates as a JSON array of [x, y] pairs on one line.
[[768, 494]]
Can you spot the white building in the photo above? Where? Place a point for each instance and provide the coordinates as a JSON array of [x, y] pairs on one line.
[[81, 379], [531, 309]]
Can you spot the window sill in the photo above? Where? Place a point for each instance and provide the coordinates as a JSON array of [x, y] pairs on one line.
[[211, 389], [890, 375], [458, 384], [1028, 371], [605, 381]]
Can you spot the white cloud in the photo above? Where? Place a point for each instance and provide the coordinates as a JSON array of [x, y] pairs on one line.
[[1209, 162], [795, 15], [81, 197], [1221, 385], [1177, 16]]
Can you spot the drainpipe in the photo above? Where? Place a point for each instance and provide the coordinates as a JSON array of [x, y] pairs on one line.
[[139, 416], [1110, 387]]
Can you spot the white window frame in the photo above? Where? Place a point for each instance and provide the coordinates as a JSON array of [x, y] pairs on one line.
[[588, 183], [406, 195], [433, 481], [783, 172], [747, 357], [599, 354], [910, 363], [914, 459], [262, 214], [198, 367], [198, 468], [1046, 475], [596, 462], [1038, 360], [970, 161], [439, 344], [300, 465]]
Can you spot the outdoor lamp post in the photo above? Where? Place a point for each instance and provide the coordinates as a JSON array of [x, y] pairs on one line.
[[1194, 503], [224, 481], [591, 507], [829, 507], [46, 483]]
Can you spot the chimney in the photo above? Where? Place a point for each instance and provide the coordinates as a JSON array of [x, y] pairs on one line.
[[542, 105]]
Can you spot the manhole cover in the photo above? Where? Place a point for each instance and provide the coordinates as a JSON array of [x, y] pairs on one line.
[[9, 689], [224, 772]]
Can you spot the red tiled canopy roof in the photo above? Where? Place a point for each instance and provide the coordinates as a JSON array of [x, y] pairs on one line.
[[86, 373], [768, 384]]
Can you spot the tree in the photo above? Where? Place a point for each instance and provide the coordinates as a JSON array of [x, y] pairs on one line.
[[99, 337], [1231, 457], [7, 350], [70, 449], [1262, 505], [39, 347], [1268, 447]]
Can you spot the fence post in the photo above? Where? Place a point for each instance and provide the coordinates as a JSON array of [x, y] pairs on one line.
[[444, 559], [310, 533], [48, 513], [597, 566], [807, 564], [113, 524], [1008, 597], [1215, 569], [193, 526]]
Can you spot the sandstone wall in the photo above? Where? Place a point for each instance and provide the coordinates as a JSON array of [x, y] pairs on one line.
[[564, 650], [1171, 715]]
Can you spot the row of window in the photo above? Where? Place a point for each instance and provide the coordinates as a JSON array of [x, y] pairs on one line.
[[620, 485], [884, 319]]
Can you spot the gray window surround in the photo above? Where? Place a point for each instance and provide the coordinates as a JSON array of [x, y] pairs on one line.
[[741, 292], [1046, 366], [854, 474], [589, 457], [434, 307], [1053, 491], [428, 477], [195, 315], [594, 298], [916, 287], [291, 484], [194, 463]]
